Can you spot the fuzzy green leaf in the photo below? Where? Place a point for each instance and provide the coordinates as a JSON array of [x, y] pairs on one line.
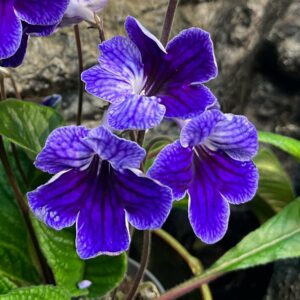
[[58, 247], [278, 238], [27, 124], [37, 293], [287, 144], [6, 285], [274, 187], [104, 272], [16, 262]]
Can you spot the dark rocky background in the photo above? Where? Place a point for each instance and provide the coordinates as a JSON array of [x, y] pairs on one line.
[[257, 45]]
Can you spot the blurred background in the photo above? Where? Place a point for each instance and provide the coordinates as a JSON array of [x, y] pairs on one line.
[[257, 47]]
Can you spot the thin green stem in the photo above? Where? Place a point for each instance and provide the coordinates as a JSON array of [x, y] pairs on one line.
[[156, 140], [189, 286], [193, 262], [80, 70], [168, 22], [143, 265], [140, 137], [153, 153]]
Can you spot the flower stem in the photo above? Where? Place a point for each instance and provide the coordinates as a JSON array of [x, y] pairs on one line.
[[193, 262], [2, 89], [46, 272], [189, 285], [15, 87], [157, 140], [168, 22], [143, 265], [80, 70], [99, 24]]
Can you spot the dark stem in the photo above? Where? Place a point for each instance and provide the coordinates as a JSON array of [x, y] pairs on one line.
[[143, 265], [80, 70], [188, 286], [132, 135], [2, 89], [99, 24], [46, 272], [169, 17], [140, 137], [15, 87]]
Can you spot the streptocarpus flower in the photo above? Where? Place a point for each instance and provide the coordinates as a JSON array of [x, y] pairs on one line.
[[32, 12], [98, 186], [144, 81], [212, 162], [82, 10]]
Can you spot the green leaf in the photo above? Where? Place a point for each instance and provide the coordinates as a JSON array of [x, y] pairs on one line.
[[274, 186], [278, 238], [58, 247], [105, 272], [27, 124], [16, 262], [6, 285], [37, 293], [287, 144]]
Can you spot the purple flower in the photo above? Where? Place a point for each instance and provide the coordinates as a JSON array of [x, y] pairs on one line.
[[82, 10], [98, 186], [53, 101], [17, 15], [144, 82], [212, 162]]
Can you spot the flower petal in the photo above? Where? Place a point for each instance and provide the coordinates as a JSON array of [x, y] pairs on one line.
[[146, 202], [237, 181], [185, 101], [136, 112], [58, 202], [82, 10], [106, 85], [10, 30], [64, 149], [40, 12], [218, 180], [17, 58], [197, 130], [120, 72], [208, 210], [101, 223], [173, 168], [191, 54], [121, 56], [119, 152], [151, 48], [236, 136], [39, 30]]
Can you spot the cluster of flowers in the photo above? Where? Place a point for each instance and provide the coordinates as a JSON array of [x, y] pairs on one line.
[[98, 184]]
